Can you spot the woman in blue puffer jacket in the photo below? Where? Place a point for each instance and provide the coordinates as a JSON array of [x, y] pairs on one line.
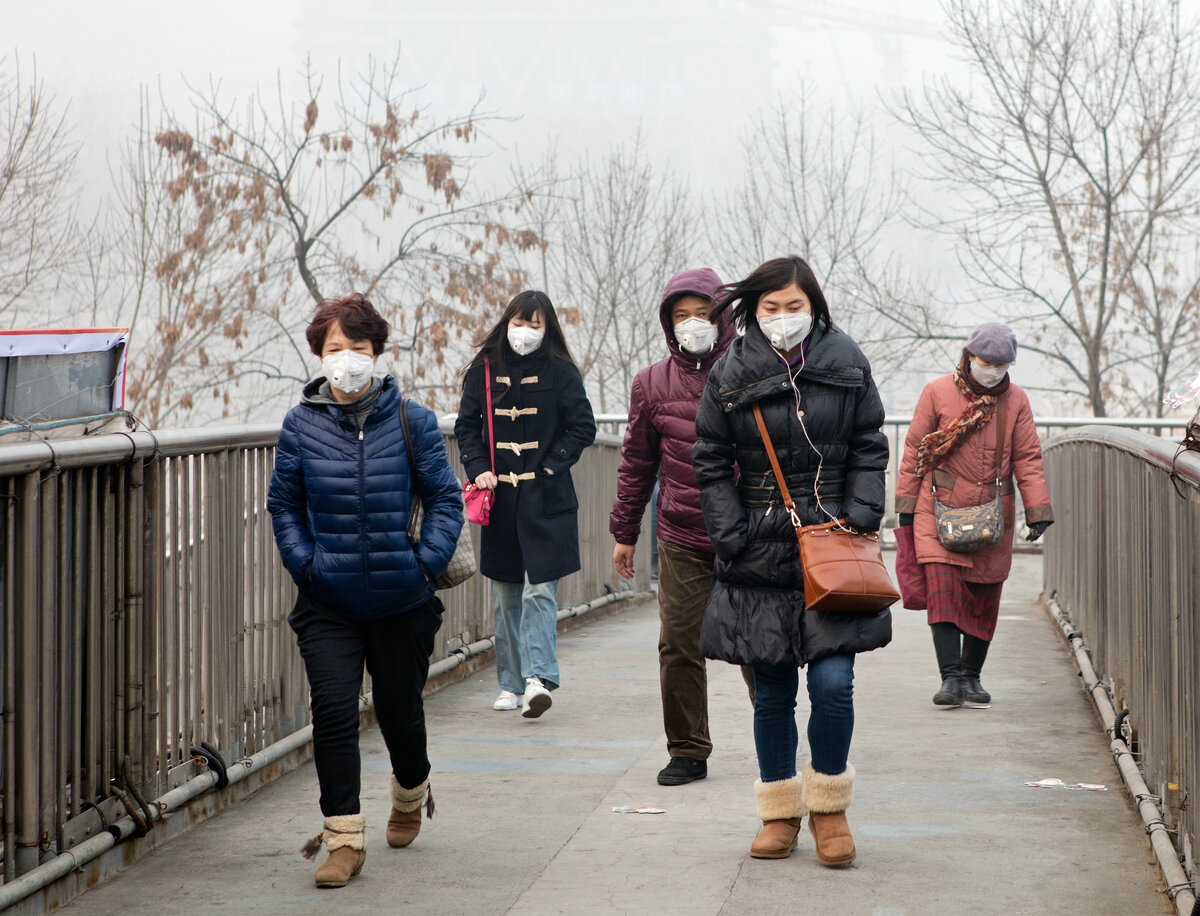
[[340, 500]]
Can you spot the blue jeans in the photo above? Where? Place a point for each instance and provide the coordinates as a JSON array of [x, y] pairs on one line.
[[830, 721], [526, 633]]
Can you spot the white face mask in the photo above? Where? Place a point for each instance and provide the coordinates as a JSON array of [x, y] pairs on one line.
[[348, 371], [785, 331], [988, 376], [524, 340], [696, 335]]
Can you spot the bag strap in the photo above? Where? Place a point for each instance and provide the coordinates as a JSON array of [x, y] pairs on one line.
[[1001, 430], [783, 490], [487, 379], [412, 471], [408, 451]]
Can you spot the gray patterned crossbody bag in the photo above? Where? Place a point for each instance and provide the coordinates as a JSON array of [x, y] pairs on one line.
[[973, 528]]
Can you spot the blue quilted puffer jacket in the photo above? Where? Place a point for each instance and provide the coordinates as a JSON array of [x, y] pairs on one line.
[[340, 500]]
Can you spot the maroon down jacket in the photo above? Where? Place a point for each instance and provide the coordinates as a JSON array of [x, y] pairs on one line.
[[662, 429]]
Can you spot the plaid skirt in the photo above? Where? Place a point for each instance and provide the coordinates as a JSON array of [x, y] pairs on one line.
[[973, 607]]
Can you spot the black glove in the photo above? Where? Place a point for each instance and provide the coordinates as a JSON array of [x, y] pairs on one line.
[[906, 519], [1037, 529]]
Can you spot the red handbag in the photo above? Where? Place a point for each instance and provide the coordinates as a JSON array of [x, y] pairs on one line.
[[910, 575], [843, 568], [477, 501]]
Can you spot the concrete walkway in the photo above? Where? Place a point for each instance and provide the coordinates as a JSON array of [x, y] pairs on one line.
[[942, 817]]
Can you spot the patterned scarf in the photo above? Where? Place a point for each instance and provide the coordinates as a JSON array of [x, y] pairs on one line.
[[940, 444]]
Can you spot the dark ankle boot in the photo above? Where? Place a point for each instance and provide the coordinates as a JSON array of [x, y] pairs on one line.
[[974, 654], [947, 644], [953, 692]]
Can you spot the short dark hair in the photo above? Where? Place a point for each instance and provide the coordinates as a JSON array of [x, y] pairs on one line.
[[358, 319], [768, 277]]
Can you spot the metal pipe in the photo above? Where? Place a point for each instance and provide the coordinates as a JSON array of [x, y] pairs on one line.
[[10, 680], [1178, 886], [27, 609], [78, 574], [134, 600], [47, 648], [78, 856]]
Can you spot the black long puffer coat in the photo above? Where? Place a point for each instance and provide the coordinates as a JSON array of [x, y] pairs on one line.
[[756, 614]]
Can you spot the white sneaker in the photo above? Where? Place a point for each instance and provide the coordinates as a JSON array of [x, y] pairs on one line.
[[536, 700], [507, 700]]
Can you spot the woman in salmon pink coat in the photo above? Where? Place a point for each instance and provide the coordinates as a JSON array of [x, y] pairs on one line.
[[952, 444]]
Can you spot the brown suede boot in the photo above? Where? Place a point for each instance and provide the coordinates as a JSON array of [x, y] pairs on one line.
[[404, 823], [827, 798], [780, 805], [346, 839]]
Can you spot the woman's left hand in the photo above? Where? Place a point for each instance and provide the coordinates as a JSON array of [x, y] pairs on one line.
[[487, 481]]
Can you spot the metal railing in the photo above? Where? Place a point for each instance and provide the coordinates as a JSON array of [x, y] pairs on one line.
[[143, 613], [1122, 564]]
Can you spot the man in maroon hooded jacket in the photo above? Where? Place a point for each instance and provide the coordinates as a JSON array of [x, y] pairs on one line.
[[658, 439]]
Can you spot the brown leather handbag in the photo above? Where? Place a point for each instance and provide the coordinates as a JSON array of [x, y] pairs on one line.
[[843, 568]]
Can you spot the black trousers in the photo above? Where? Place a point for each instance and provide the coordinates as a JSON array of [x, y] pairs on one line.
[[395, 651]]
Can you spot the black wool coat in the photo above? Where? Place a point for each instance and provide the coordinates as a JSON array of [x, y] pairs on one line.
[[543, 421], [756, 614]]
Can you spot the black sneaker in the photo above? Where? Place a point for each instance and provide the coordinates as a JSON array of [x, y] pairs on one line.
[[682, 770]]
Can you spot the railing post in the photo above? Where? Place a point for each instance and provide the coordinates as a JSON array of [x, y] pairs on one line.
[[26, 610], [134, 601]]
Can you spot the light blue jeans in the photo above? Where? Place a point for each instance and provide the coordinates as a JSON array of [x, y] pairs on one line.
[[526, 633]]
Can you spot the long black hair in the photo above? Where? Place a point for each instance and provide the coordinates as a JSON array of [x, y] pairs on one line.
[[493, 344], [766, 278]]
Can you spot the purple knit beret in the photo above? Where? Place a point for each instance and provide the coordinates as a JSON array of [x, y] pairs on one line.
[[994, 343]]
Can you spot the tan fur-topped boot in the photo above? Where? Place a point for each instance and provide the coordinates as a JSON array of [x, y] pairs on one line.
[[780, 805], [345, 837], [827, 798], [404, 823]]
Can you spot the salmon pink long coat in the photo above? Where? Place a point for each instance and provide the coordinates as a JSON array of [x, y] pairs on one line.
[[973, 468]]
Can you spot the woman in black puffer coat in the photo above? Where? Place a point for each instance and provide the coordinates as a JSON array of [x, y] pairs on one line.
[[823, 413]]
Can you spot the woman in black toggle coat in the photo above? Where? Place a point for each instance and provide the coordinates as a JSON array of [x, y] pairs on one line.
[[542, 422], [824, 416]]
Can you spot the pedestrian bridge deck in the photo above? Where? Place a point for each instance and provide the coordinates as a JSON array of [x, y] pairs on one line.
[[942, 817]]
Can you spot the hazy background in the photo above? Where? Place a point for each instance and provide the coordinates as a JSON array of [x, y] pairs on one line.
[[687, 77]]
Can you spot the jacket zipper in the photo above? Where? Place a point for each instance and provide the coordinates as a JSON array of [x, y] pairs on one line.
[[362, 509]]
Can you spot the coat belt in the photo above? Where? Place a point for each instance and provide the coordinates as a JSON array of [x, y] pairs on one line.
[[947, 481], [515, 478], [799, 485], [517, 447]]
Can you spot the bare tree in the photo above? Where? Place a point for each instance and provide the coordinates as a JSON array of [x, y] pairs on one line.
[[37, 212], [614, 232], [815, 183], [354, 188], [1072, 154], [171, 264]]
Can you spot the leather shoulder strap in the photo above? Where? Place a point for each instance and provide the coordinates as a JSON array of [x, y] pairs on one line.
[[766, 438]]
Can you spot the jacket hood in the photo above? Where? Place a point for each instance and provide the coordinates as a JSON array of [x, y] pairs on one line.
[[703, 282]]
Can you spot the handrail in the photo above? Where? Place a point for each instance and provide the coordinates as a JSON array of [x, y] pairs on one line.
[[1120, 572], [1153, 450]]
